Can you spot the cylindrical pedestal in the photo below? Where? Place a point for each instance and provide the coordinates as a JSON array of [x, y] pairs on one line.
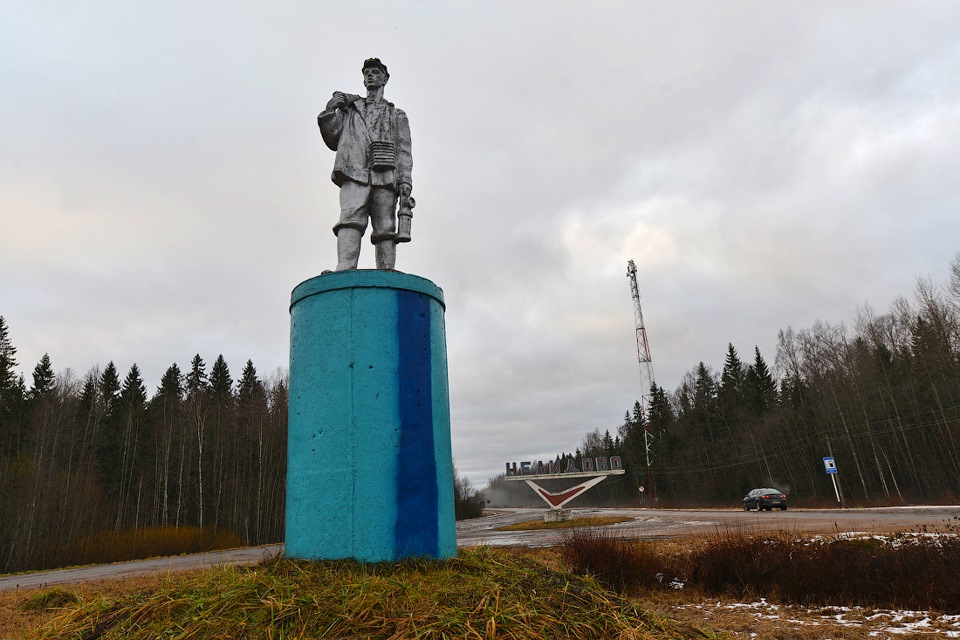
[[369, 466]]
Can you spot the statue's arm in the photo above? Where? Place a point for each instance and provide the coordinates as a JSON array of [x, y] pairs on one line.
[[330, 122], [330, 119], [404, 154]]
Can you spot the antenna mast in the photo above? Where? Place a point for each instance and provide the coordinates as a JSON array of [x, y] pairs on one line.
[[646, 368]]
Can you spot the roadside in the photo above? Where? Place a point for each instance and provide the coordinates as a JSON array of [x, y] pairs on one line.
[[136, 568], [643, 524], [676, 602]]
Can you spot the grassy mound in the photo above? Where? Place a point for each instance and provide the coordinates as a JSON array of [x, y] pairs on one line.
[[55, 598], [484, 593]]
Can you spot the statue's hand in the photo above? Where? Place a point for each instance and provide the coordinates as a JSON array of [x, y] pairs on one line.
[[338, 101], [405, 190]]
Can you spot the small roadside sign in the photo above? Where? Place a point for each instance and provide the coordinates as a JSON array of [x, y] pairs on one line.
[[641, 488], [830, 465]]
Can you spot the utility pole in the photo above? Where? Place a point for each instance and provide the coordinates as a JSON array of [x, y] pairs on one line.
[[646, 368]]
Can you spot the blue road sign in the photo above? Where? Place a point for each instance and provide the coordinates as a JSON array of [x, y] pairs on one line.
[[830, 465]]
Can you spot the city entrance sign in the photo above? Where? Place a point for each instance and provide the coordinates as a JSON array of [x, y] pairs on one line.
[[595, 469], [572, 468]]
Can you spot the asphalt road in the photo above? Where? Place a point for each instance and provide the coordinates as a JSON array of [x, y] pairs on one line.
[[643, 524], [675, 523]]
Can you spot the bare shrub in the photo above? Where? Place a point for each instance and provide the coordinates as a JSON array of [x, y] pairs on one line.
[[907, 570], [615, 563], [910, 570]]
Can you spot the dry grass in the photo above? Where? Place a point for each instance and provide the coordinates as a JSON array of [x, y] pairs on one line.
[[132, 544], [149, 542], [485, 593], [784, 586], [20, 616], [905, 571], [537, 525]]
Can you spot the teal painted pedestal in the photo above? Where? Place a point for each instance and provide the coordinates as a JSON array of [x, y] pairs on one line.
[[369, 466]]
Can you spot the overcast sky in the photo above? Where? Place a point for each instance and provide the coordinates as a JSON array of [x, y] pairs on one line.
[[164, 186]]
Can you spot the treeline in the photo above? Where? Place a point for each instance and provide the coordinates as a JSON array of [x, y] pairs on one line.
[[81, 456], [882, 398]]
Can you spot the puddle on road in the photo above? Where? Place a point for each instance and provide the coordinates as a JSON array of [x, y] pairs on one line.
[[505, 541]]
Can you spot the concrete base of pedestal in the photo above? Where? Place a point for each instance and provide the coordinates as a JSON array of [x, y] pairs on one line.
[[556, 515], [369, 466]]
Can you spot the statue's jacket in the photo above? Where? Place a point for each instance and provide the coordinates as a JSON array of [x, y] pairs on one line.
[[356, 134]]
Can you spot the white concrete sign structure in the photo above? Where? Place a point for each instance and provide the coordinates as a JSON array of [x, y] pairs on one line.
[[596, 469]]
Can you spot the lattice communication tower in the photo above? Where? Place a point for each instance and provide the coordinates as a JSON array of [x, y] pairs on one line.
[[646, 367]]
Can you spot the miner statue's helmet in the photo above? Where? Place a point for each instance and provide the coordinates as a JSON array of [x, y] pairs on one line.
[[375, 63]]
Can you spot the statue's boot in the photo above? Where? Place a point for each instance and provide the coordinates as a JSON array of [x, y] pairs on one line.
[[348, 248], [386, 255]]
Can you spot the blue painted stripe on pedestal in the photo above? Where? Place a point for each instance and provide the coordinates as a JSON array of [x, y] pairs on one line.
[[417, 492]]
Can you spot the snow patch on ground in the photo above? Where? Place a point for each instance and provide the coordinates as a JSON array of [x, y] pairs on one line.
[[881, 621]]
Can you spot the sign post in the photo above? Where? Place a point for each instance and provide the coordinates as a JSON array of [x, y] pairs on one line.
[[831, 467]]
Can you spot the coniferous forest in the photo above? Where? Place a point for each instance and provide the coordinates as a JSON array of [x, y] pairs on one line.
[[81, 458], [882, 397]]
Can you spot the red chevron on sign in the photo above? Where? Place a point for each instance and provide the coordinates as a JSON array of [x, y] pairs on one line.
[[557, 499]]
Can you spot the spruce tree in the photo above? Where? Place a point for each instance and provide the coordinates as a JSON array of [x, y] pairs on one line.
[[89, 393], [732, 379], [11, 394], [196, 406], [222, 443], [220, 381], [760, 389], [42, 378], [171, 384], [249, 387], [8, 362], [109, 386], [661, 412], [638, 417], [607, 443], [704, 398], [197, 378], [88, 417], [133, 393], [109, 432], [131, 405], [165, 416]]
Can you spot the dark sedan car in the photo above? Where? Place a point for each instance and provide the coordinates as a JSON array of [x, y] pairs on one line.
[[761, 499]]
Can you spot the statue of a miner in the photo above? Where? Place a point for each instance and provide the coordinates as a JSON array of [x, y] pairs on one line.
[[372, 168]]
